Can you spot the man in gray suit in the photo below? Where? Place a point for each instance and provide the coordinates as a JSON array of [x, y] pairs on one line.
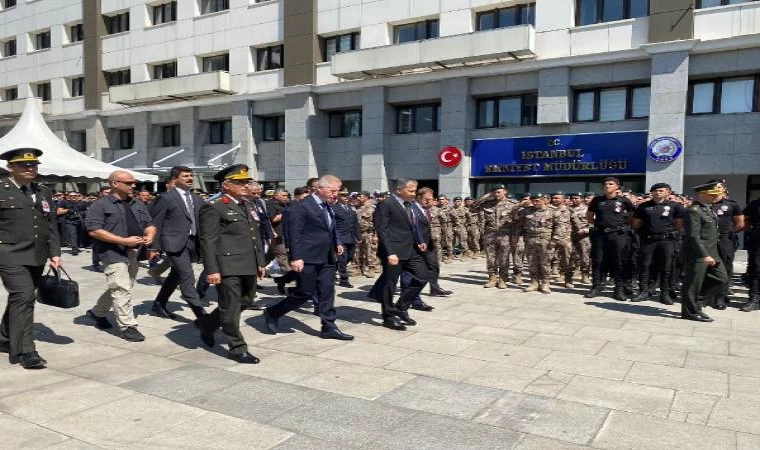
[[175, 216]]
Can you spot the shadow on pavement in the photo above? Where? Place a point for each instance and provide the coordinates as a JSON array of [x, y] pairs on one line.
[[640, 309]]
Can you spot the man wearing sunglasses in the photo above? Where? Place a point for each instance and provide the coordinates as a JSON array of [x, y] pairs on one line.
[[123, 226], [28, 237]]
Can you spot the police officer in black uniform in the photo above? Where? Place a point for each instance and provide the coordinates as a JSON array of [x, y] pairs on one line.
[[233, 255], [730, 221], [28, 237], [657, 221], [752, 236], [609, 214], [704, 273]]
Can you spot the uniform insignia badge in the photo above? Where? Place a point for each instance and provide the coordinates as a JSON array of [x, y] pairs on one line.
[[45, 206], [724, 207], [225, 200]]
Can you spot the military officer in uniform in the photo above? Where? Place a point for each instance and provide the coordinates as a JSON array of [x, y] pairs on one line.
[[752, 239], [563, 250], [705, 274], [730, 222], [538, 225], [28, 237], [517, 251], [472, 225], [445, 218], [459, 225], [499, 213], [233, 256], [581, 243], [657, 222], [367, 247]]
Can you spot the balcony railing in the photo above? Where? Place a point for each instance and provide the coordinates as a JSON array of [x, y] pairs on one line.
[[178, 88], [500, 45]]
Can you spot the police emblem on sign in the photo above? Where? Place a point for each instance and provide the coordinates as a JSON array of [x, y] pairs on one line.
[[665, 149]]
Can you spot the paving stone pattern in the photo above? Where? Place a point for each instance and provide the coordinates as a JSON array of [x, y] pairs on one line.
[[487, 369]]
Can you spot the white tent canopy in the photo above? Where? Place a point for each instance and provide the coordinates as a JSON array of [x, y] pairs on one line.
[[58, 159]]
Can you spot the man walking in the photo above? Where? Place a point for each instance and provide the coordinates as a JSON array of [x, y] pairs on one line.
[[233, 256], [175, 216], [313, 244], [28, 237], [705, 275], [122, 225]]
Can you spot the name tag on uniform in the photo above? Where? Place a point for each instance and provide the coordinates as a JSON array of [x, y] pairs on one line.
[[720, 212], [45, 206], [665, 213]]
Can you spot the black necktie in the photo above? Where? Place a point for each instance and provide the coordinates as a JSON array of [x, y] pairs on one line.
[[328, 215], [28, 191], [191, 210], [409, 212]]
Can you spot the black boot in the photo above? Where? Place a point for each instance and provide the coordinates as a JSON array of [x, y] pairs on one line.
[[720, 302], [619, 293], [752, 305], [628, 289], [643, 296], [665, 298], [594, 292]]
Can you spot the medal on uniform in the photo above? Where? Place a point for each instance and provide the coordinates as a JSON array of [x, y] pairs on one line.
[[45, 206]]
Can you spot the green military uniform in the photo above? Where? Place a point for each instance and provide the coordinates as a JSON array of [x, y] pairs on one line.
[[701, 282], [231, 246], [28, 237]]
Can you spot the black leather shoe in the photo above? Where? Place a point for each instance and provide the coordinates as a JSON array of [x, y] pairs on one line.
[[208, 338], [696, 317], [752, 305], [30, 360], [345, 284], [592, 293], [665, 299], [100, 322], [394, 324], [404, 316], [243, 358], [132, 335], [705, 317], [719, 304], [334, 333], [439, 292], [270, 323], [160, 310], [642, 297], [422, 306], [618, 295]]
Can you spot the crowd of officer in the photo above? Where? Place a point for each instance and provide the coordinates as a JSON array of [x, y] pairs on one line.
[[321, 235]]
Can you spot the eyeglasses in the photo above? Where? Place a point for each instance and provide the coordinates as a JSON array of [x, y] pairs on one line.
[[129, 183], [238, 182]]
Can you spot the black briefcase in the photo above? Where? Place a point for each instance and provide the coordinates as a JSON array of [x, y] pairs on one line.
[[58, 292]]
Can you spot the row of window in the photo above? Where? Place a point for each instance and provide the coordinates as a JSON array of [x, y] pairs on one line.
[[725, 95], [597, 11], [219, 132], [712, 3]]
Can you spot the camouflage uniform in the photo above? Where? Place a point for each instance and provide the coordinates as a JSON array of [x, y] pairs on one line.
[[472, 225], [538, 228], [366, 250], [581, 258], [563, 250], [499, 221], [447, 232], [518, 257], [435, 230], [459, 225]]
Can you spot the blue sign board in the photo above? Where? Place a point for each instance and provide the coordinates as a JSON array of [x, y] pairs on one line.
[[574, 154]]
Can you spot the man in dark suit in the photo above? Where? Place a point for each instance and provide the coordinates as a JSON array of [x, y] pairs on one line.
[[175, 215], [401, 248], [347, 225], [233, 255], [313, 243], [28, 237]]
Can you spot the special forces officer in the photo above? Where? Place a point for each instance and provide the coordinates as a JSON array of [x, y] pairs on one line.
[[704, 273], [445, 217], [472, 225], [499, 214], [609, 214], [657, 222], [538, 225], [730, 221], [366, 248], [233, 255], [28, 237], [563, 250], [459, 223], [581, 243]]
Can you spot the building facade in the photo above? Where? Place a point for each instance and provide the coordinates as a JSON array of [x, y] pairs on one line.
[[541, 95]]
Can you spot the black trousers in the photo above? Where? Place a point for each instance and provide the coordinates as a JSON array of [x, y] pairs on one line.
[[315, 280], [344, 259], [235, 295], [726, 251], [417, 267], [753, 263], [16, 326], [656, 261], [700, 285], [608, 252], [181, 275], [71, 230]]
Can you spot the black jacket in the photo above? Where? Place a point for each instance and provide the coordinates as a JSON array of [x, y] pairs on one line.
[[396, 234], [308, 236], [173, 221], [28, 231], [347, 223]]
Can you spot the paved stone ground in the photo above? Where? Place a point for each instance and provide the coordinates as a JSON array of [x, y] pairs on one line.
[[486, 369]]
